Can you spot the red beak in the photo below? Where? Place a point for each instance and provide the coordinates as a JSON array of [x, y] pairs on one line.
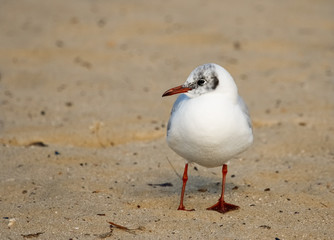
[[176, 90]]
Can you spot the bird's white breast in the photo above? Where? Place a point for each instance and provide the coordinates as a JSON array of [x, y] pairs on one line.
[[209, 129]]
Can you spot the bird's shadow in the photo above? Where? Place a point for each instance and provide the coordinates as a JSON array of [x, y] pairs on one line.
[[210, 185]]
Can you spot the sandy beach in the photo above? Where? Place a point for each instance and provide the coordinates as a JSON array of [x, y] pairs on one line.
[[83, 123]]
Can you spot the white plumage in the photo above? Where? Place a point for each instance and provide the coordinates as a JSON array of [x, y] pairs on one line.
[[212, 126]]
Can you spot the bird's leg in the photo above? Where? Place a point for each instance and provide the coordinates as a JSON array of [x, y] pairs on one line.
[[221, 206], [184, 179]]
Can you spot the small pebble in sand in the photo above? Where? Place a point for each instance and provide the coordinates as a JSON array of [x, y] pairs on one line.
[[11, 222]]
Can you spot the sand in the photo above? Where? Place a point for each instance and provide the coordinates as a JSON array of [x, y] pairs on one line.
[[83, 124]]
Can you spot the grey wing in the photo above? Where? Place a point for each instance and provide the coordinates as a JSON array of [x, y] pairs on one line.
[[244, 109], [176, 105]]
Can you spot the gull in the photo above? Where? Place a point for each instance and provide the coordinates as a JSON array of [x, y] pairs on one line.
[[209, 124]]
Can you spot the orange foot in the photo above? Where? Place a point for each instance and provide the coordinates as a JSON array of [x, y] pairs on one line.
[[223, 207], [184, 209]]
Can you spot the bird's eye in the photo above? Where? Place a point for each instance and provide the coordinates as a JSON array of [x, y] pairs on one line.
[[200, 82]]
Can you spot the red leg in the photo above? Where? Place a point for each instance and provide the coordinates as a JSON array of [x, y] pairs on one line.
[[185, 179], [221, 206]]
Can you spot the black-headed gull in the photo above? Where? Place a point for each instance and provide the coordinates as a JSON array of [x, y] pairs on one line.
[[209, 123]]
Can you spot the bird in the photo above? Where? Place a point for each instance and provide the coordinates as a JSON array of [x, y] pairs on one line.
[[209, 124]]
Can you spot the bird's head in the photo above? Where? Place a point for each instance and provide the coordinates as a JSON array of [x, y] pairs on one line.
[[205, 79]]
